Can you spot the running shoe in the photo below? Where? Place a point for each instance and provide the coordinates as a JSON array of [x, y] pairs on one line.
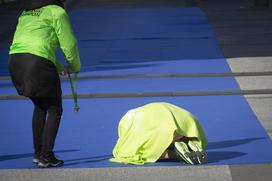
[[36, 158], [183, 153], [201, 155], [49, 160]]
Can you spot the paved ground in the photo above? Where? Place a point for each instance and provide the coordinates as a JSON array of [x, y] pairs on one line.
[[245, 36]]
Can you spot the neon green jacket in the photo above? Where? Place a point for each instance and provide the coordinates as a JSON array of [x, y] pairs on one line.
[[41, 31], [146, 132]]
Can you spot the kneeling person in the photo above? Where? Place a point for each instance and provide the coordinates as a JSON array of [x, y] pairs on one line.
[[159, 131]]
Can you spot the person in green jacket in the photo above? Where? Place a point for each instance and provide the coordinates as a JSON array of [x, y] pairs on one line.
[[159, 131], [42, 27]]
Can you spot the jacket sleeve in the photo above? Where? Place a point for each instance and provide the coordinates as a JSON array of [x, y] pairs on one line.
[[67, 41]]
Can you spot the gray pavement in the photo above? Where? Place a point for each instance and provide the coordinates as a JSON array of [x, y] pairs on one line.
[[245, 36], [123, 174], [260, 172]]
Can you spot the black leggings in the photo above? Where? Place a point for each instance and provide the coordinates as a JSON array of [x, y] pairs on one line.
[[45, 123]]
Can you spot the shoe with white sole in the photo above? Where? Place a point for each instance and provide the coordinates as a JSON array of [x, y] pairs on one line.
[[183, 153], [49, 160], [36, 158], [200, 153]]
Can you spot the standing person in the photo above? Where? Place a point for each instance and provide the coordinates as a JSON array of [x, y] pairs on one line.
[[42, 27]]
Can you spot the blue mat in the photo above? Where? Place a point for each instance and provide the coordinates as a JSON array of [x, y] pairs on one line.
[[121, 23], [117, 39], [86, 139], [138, 41], [4, 61], [141, 85], [121, 40]]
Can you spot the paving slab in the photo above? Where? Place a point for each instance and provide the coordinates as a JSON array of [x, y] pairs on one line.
[[251, 172], [244, 35], [190, 173]]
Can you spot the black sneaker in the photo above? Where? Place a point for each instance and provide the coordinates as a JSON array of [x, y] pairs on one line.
[[36, 158], [49, 160]]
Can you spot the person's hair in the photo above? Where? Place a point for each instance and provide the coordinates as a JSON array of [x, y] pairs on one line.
[[35, 4]]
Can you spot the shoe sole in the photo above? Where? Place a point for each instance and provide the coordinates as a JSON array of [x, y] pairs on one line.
[[47, 165], [201, 155], [194, 146], [35, 160], [183, 151]]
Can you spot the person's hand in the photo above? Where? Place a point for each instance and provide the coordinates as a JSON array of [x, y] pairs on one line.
[[65, 71]]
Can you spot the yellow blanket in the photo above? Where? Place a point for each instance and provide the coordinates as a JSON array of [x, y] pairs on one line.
[[146, 132]]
